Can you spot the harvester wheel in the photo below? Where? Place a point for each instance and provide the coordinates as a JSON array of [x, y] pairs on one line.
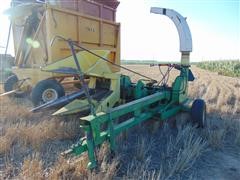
[[11, 84], [47, 90], [198, 112]]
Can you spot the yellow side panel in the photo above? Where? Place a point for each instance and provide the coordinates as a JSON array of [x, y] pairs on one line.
[[109, 35], [63, 24], [89, 30], [89, 63]]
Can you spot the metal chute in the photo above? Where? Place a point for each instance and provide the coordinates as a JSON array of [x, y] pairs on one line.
[[184, 33]]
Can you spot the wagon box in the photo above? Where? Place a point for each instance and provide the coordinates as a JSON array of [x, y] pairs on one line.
[[88, 23]]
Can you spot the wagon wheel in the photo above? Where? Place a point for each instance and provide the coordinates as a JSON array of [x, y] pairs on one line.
[[47, 90], [11, 84]]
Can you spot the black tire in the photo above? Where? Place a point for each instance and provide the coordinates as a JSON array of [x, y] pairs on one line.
[[11, 84], [198, 112], [44, 87]]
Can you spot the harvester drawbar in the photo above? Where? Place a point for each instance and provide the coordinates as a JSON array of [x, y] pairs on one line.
[[109, 96]]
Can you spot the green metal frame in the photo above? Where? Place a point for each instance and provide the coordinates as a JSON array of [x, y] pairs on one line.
[[160, 103]]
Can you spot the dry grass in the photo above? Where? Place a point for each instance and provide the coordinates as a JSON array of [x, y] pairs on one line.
[[36, 135], [233, 126], [176, 156], [143, 147], [218, 131], [215, 137], [65, 169], [13, 111], [183, 149], [140, 171], [32, 169], [193, 146]]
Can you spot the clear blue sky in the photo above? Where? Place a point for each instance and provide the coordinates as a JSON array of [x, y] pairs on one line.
[[222, 16], [215, 27]]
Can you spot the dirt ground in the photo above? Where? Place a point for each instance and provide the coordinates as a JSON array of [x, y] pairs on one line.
[[30, 144]]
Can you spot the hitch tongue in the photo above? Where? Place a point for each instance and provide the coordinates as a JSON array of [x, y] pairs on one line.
[[8, 93]]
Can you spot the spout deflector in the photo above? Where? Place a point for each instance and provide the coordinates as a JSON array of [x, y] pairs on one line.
[[181, 25], [184, 33]]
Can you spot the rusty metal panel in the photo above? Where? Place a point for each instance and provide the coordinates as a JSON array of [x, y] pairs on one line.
[[100, 9], [108, 14], [89, 8], [111, 3], [69, 4]]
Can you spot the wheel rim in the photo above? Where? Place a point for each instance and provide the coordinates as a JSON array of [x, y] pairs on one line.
[[49, 95]]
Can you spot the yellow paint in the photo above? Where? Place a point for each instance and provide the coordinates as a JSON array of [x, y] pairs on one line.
[[34, 75], [100, 106], [73, 107], [89, 63]]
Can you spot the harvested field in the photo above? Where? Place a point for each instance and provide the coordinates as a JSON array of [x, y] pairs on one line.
[[30, 144]]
